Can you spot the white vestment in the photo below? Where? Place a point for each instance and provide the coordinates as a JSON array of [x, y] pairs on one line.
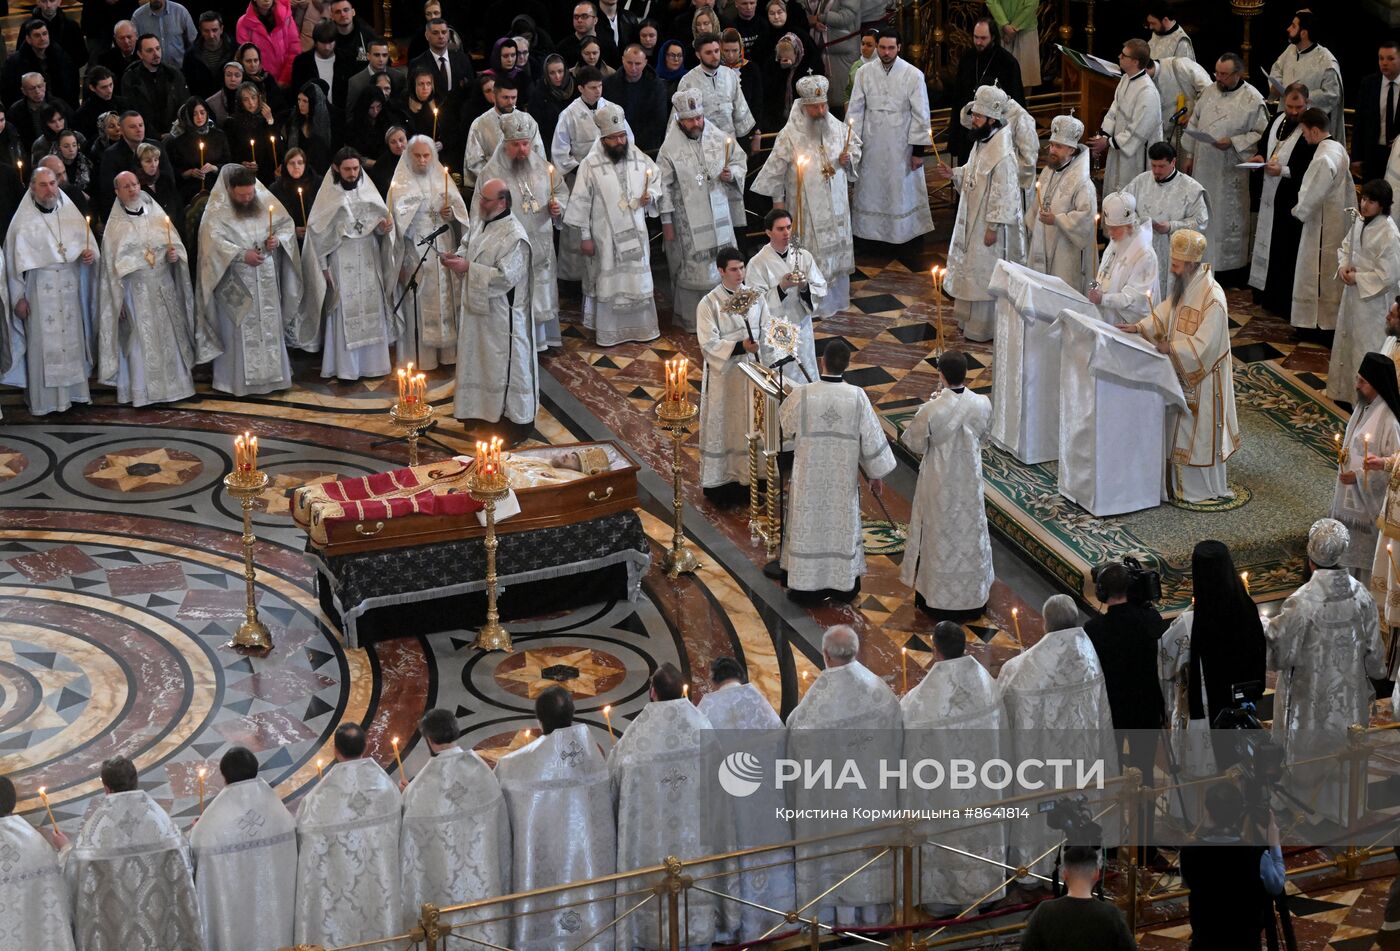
[[955, 712], [837, 436], [256, 308], [1174, 42], [1190, 738], [560, 782], [1280, 151], [245, 868], [482, 138], [725, 398], [1025, 138], [1207, 432], [619, 296], [1385, 579], [497, 370], [725, 105], [1239, 116], [1068, 249], [847, 714], [1180, 81], [530, 193], [350, 271], [1127, 278], [823, 224], [662, 769], [1357, 506], [1323, 199], [1179, 202], [699, 206], [1324, 642], [743, 719], [348, 861], [796, 305], [1132, 124], [989, 199], [148, 340], [948, 558], [428, 338], [1317, 69], [1373, 248], [129, 877], [1392, 175], [574, 137], [34, 907], [1056, 704], [455, 842], [889, 112], [42, 267]]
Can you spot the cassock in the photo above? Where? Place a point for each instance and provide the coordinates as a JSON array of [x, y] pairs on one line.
[[350, 271], [1174, 42], [574, 136], [1180, 202], [744, 720], [889, 112], [245, 868], [1324, 196], [1132, 124], [1316, 68], [824, 226], [847, 714], [34, 907], [482, 139], [1324, 642], [1372, 426], [837, 436], [429, 316], [1180, 82], [797, 304], [129, 873], [1206, 433], [619, 295], [531, 187], [1127, 277], [989, 198], [948, 558], [1068, 249], [725, 105], [497, 370], [148, 337], [1372, 246], [42, 266], [1056, 705], [725, 321], [560, 781], [955, 712], [348, 862], [255, 308], [1276, 226], [1237, 115], [696, 203], [661, 770], [455, 842]]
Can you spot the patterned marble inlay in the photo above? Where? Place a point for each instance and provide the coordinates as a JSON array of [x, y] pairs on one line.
[[143, 469]]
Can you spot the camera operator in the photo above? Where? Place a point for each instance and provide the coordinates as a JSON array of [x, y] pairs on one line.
[[1231, 883], [1078, 920]]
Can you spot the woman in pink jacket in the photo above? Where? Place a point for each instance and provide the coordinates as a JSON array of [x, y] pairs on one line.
[[270, 26]]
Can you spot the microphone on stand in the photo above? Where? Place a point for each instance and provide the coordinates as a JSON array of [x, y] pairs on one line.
[[428, 238]]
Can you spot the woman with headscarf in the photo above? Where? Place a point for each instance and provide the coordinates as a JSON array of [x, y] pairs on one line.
[[541, 44], [590, 53], [505, 61], [364, 131], [1213, 646], [160, 187], [109, 132], [248, 131], [387, 159], [423, 115], [68, 147], [52, 121], [550, 97], [269, 25], [670, 65], [296, 187], [308, 125], [780, 76], [224, 103], [194, 167], [250, 58]]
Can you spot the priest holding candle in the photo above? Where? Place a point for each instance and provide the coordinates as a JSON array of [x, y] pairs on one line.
[[32, 893]]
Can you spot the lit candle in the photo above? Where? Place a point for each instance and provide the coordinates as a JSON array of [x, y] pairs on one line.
[[1244, 577], [402, 394], [167, 230], [685, 691], [20, 166], [301, 200], [1016, 622], [253, 453], [850, 127], [44, 796], [1337, 438], [273, 140], [797, 208], [87, 234], [422, 392], [435, 118], [252, 150], [446, 181], [550, 166], [397, 759], [607, 718], [200, 773], [904, 670], [320, 764], [238, 453], [727, 142], [201, 156], [269, 221]]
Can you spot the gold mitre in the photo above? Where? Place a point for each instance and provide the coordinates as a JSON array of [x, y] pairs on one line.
[[1188, 245]]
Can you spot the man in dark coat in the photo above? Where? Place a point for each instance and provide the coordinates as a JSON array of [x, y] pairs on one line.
[[642, 97], [37, 52], [986, 64], [154, 89]]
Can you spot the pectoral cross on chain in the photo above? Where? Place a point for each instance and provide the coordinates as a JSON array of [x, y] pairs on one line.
[[150, 257], [359, 227]]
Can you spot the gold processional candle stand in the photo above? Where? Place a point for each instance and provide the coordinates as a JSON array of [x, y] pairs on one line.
[[245, 483], [676, 412], [489, 482]]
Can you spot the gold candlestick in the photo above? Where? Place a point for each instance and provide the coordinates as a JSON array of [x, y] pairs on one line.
[[797, 206], [413, 418], [904, 670], [676, 413], [245, 483], [489, 483], [938, 273]]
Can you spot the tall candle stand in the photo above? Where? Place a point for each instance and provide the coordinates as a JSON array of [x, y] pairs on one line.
[[676, 412], [245, 483], [489, 483], [412, 412]]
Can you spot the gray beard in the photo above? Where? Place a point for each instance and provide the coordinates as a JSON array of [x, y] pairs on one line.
[[520, 165], [46, 205], [250, 210], [418, 173], [693, 134]]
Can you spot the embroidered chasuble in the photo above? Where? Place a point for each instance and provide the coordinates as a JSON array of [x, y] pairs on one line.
[[724, 324], [482, 138], [989, 199], [34, 906], [574, 137]]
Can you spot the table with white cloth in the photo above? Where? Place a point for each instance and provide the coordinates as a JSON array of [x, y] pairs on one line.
[[1115, 390], [1026, 400]]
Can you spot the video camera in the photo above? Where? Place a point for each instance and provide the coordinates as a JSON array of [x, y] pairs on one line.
[[1144, 584], [1261, 760], [1070, 815]]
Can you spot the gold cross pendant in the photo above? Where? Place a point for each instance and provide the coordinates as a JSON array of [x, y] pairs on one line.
[[150, 257]]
